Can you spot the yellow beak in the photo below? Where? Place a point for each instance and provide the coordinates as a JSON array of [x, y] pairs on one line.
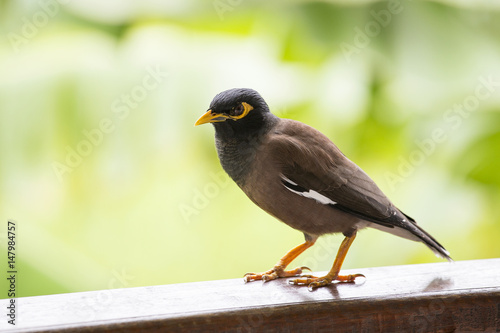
[[210, 117]]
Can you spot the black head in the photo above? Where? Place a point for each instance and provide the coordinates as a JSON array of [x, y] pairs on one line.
[[237, 112]]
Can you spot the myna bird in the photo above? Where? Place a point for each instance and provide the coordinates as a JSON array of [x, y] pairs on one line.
[[296, 174]]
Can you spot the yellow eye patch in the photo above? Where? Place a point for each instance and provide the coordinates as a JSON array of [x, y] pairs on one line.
[[213, 117], [246, 109]]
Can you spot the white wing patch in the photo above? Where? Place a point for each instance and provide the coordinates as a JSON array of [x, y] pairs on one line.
[[311, 194]]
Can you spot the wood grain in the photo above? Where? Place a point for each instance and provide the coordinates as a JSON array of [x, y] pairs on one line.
[[442, 297]]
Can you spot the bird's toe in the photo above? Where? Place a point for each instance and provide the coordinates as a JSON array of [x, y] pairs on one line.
[[313, 282], [273, 274]]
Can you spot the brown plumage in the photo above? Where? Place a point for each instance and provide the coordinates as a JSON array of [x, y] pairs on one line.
[[299, 176]]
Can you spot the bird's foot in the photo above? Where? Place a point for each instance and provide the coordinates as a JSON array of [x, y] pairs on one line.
[[313, 282], [273, 274]]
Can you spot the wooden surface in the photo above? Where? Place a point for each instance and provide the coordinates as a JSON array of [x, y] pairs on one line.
[[441, 297]]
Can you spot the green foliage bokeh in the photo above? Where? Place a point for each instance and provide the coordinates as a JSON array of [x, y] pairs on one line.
[[112, 186]]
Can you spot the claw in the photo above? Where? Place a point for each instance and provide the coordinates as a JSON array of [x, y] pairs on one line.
[[349, 278], [273, 274], [269, 277], [247, 277], [319, 283], [314, 282], [304, 280]]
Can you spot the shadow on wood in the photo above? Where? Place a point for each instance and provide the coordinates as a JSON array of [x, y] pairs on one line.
[[443, 297]]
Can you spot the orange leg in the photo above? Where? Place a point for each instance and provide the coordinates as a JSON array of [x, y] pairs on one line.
[[278, 271], [315, 282]]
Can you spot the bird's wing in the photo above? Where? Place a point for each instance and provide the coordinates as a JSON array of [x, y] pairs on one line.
[[312, 166]]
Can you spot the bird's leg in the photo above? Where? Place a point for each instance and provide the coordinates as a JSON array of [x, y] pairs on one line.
[[315, 282], [278, 271]]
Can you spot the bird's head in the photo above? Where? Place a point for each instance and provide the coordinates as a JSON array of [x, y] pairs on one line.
[[236, 111]]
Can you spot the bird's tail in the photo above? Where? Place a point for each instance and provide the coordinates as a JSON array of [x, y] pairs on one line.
[[408, 228], [428, 240]]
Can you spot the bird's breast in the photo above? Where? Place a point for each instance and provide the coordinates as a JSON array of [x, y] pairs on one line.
[[266, 189], [237, 157]]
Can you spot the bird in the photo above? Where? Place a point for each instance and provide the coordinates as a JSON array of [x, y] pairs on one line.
[[299, 176]]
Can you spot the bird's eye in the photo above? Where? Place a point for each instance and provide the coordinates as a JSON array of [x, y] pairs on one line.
[[238, 111]]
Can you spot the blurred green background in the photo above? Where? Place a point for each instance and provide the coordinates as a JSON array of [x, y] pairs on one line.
[[112, 186]]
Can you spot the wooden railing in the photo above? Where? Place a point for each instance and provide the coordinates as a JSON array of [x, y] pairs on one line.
[[443, 297]]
